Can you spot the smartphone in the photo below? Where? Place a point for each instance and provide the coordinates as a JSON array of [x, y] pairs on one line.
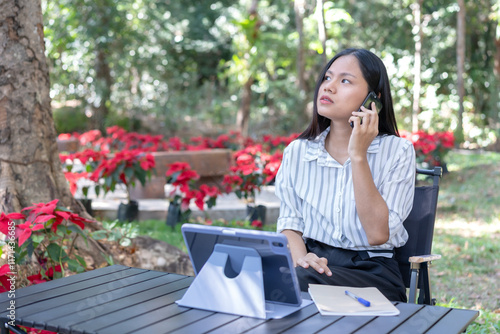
[[367, 103]]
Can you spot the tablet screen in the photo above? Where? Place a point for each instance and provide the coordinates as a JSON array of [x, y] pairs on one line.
[[280, 280]]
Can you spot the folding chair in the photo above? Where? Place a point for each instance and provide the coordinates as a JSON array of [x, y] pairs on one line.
[[415, 256]]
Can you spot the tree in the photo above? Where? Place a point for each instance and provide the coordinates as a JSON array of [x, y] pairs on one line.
[[417, 67], [252, 34], [460, 68], [30, 170]]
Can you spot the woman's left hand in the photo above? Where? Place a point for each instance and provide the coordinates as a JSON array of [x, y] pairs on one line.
[[364, 131]]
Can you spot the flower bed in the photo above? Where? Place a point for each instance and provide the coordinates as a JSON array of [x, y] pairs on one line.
[[211, 165], [430, 148]]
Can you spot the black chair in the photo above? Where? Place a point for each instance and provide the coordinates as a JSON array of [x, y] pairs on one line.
[[415, 256]]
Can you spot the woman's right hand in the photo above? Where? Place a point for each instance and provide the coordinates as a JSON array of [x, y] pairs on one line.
[[320, 264]]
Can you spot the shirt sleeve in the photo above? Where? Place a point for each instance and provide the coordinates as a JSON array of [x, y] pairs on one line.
[[290, 216], [398, 190]]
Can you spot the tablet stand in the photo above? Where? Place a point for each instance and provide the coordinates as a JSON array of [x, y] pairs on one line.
[[231, 281]]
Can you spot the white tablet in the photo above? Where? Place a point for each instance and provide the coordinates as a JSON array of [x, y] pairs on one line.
[[279, 277]]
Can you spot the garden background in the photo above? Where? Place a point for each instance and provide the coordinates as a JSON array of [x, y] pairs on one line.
[[192, 75]]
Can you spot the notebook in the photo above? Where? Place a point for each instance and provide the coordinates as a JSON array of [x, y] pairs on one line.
[[332, 300]]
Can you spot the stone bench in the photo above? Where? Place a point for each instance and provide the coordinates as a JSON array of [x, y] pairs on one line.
[[210, 164]]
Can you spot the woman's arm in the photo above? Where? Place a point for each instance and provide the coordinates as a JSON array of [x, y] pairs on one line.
[[300, 256], [370, 205]]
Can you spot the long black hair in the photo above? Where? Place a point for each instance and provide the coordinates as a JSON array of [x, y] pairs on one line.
[[375, 74]]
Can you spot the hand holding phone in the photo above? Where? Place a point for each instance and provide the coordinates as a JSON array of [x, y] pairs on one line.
[[367, 103]]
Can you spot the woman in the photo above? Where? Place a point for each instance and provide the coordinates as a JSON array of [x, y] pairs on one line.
[[346, 184]]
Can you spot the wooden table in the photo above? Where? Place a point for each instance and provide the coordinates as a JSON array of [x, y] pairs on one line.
[[121, 299]]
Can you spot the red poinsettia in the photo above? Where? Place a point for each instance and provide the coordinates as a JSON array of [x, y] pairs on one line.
[[124, 167], [253, 168], [43, 215], [183, 178], [5, 273], [430, 148]]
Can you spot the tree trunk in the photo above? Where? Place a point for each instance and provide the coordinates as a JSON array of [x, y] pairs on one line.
[[320, 14], [417, 68], [497, 58], [103, 90], [459, 133], [243, 117], [30, 169], [299, 22]]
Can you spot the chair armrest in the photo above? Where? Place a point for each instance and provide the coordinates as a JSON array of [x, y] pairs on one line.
[[424, 258]]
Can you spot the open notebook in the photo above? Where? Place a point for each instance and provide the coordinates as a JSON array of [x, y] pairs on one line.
[[332, 300]]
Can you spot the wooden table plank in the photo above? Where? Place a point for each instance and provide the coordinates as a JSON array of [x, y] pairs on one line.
[[278, 325], [422, 320], [387, 324], [50, 285], [176, 322], [239, 325], [312, 324], [213, 321], [453, 322], [347, 324], [63, 296], [147, 314], [95, 312], [164, 295]]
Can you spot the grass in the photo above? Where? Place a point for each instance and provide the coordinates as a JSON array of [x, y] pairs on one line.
[[466, 235]]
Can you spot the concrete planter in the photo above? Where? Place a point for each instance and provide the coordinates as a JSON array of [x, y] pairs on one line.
[[211, 164], [68, 145]]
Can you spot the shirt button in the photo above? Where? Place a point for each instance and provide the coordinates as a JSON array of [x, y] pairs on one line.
[[337, 210]]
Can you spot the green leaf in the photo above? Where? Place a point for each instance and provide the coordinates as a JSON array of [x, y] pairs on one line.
[[125, 242], [38, 238], [81, 261], [109, 259], [56, 253], [98, 235], [129, 173], [30, 248], [140, 174], [75, 266]]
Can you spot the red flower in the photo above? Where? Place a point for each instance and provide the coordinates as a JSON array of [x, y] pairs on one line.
[[50, 272], [177, 167], [4, 278], [36, 279], [209, 191], [256, 223], [6, 219]]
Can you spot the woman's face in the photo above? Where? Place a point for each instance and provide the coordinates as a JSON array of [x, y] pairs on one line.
[[343, 90]]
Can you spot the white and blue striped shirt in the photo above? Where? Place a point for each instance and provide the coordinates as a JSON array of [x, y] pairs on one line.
[[317, 194]]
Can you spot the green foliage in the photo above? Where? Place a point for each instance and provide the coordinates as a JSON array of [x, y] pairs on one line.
[[122, 233], [466, 234], [68, 120], [180, 61]]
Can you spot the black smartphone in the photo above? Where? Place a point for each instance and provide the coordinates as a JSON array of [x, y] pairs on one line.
[[367, 103]]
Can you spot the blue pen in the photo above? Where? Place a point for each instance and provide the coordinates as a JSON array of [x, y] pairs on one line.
[[361, 300]]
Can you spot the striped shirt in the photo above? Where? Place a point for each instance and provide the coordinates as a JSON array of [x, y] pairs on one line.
[[317, 194]]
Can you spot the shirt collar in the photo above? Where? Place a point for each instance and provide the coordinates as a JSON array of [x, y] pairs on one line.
[[316, 149]]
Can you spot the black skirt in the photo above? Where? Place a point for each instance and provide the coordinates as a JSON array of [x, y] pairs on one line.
[[354, 269]]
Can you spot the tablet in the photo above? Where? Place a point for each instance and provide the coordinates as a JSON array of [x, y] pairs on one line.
[[280, 280]]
